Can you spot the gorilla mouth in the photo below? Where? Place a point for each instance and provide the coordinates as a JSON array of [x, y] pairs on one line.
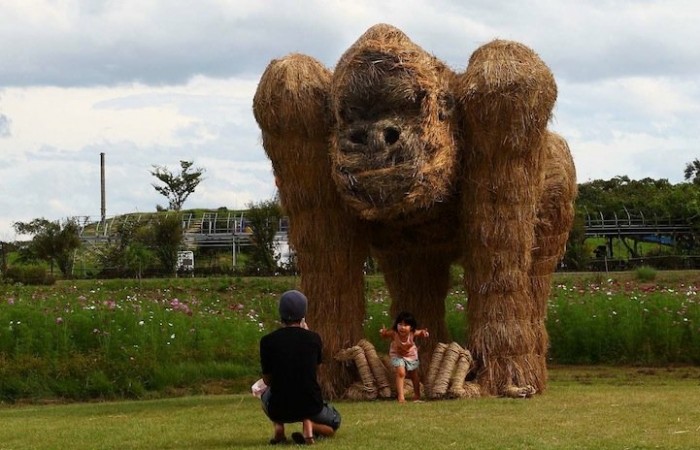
[[380, 187], [377, 177]]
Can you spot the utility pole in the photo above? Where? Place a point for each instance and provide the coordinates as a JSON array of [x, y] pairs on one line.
[[103, 208]]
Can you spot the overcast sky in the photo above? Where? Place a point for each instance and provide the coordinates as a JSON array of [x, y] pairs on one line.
[[158, 81]]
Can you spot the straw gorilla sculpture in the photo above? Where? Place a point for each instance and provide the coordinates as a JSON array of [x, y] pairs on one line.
[[395, 155]]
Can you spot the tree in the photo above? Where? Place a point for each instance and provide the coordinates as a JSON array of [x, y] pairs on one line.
[[166, 240], [692, 171], [177, 187], [264, 220], [128, 253], [53, 242]]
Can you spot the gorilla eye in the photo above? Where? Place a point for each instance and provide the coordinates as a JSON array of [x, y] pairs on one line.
[[447, 104]]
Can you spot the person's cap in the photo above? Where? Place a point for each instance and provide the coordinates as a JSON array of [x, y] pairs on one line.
[[293, 306]]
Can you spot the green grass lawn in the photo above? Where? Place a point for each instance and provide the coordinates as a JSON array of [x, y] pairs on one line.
[[584, 408]]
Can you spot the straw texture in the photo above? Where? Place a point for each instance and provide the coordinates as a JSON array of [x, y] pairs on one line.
[[393, 154], [291, 108]]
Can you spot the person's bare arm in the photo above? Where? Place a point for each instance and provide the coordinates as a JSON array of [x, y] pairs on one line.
[[386, 334], [423, 332]]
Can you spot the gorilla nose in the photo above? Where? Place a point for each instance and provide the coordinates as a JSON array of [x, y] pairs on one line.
[[386, 136], [391, 135], [359, 137]]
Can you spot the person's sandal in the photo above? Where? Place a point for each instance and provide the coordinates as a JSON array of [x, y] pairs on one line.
[[299, 439], [275, 441]]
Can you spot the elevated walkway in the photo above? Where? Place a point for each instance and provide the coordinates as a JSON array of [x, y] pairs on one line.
[[636, 225], [212, 229]]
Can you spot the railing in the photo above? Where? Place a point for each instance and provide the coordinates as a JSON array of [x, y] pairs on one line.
[[212, 229], [631, 224]]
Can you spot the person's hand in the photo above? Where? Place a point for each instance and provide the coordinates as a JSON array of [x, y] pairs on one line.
[[382, 331]]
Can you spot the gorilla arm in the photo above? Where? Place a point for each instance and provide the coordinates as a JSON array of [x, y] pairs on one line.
[[290, 106], [506, 97]]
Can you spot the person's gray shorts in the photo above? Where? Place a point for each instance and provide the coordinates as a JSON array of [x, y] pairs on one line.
[[328, 415]]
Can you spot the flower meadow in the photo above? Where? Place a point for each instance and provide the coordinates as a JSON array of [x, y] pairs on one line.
[[126, 339], [137, 339], [624, 322]]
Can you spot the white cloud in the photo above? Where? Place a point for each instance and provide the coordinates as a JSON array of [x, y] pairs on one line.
[[155, 82]]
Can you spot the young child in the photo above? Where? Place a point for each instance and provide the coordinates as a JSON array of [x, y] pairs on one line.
[[404, 352]]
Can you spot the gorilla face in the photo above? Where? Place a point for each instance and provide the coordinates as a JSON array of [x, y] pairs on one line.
[[393, 149]]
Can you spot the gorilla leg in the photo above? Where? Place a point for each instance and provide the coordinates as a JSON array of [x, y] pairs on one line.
[[506, 97], [555, 217], [290, 106], [418, 282]]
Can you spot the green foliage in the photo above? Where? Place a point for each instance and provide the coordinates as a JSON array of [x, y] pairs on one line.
[[612, 322], [264, 219], [128, 254], [648, 200], [166, 240], [28, 274], [645, 273], [692, 172], [138, 338], [177, 187], [105, 340], [53, 242], [577, 255]]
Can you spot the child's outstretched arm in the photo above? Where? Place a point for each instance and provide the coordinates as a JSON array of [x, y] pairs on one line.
[[383, 332], [423, 332]]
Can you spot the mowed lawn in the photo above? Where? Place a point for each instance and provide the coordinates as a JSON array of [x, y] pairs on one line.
[[584, 408]]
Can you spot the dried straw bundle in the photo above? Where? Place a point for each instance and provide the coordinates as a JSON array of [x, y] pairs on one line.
[[394, 150], [507, 94], [448, 370], [379, 372], [435, 364], [357, 355], [555, 216], [462, 368], [471, 390], [519, 392], [371, 370], [358, 393], [290, 106], [444, 375]]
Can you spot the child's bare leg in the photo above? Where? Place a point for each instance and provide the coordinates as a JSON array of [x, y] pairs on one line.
[[400, 377], [416, 384]]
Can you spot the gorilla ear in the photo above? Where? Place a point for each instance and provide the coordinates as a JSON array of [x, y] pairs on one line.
[[446, 105]]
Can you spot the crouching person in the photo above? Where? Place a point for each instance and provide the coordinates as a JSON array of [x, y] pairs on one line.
[[289, 358]]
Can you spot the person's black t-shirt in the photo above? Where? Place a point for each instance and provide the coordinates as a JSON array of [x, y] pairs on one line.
[[290, 356]]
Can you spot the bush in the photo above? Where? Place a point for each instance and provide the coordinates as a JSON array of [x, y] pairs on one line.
[[645, 273], [29, 275]]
